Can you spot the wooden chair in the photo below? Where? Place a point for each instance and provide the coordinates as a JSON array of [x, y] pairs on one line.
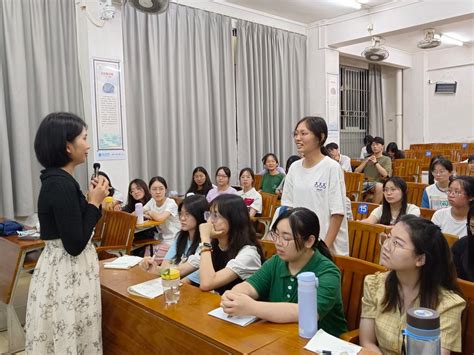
[[116, 233], [269, 204], [353, 273], [354, 184], [450, 238], [362, 210], [415, 192], [407, 167], [467, 289], [461, 169], [258, 182], [364, 240], [426, 213], [268, 247]]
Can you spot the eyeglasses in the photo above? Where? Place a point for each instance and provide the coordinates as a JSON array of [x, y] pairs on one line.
[[392, 242], [470, 226], [285, 240], [213, 216], [456, 193], [439, 172], [387, 190]]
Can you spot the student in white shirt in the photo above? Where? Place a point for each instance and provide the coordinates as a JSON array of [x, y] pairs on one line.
[[317, 183], [162, 209], [394, 204], [343, 160], [452, 220], [435, 196], [252, 199]]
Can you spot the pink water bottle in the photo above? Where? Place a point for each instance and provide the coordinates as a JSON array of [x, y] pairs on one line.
[[139, 212]]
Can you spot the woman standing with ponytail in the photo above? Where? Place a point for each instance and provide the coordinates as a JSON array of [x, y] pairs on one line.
[[299, 249], [317, 182]]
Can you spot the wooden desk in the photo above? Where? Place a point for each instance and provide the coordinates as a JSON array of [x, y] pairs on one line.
[[138, 325], [16, 258]]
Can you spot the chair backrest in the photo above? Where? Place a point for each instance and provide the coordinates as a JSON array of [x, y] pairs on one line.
[[354, 183], [415, 192], [118, 230], [268, 247], [269, 203], [364, 240], [362, 210], [461, 168], [450, 238], [467, 289], [353, 273], [258, 182], [426, 213], [407, 167]]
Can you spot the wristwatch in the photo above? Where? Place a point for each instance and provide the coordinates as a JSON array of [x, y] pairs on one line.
[[376, 162], [205, 245]]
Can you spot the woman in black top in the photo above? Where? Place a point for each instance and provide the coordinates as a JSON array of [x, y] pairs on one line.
[[201, 183], [64, 310], [463, 250]]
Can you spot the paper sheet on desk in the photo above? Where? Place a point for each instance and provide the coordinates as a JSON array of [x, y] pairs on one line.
[[124, 262], [239, 320], [324, 341], [149, 289]]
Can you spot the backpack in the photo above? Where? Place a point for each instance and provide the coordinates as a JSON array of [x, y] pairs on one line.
[[10, 227]]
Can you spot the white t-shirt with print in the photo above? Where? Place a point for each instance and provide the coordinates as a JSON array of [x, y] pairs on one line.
[[444, 219], [322, 190], [411, 209], [437, 199], [171, 226], [252, 199]]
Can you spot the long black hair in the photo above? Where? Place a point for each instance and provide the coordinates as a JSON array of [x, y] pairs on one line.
[[304, 223], [194, 188], [130, 206], [195, 205], [317, 126], [437, 272], [111, 188], [386, 217], [241, 230]]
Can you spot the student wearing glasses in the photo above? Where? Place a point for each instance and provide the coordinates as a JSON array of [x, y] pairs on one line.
[[422, 274], [272, 292], [223, 184], [463, 250], [394, 203], [435, 196], [452, 219]]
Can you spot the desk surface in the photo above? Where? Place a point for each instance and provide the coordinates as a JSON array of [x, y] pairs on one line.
[[188, 319]]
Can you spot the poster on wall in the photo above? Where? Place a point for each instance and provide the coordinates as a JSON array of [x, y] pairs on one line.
[[108, 109], [333, 100]]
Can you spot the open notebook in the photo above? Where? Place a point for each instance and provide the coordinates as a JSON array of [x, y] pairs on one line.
[[123, 262], [239, 320], [149, 289]]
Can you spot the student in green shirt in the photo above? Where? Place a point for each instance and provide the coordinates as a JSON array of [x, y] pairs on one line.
[[272, 292], [272, 177]]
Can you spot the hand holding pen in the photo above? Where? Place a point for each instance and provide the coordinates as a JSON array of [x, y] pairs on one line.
[[150, 265]]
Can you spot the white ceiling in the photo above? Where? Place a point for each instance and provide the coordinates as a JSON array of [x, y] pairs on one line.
[[303, 11]]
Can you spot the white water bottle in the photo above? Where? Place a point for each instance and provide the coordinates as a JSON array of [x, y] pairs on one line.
[[307, 304], [139, 212]]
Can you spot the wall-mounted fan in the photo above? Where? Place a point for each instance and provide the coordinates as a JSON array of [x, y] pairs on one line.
[[375, 52], [150, 6]]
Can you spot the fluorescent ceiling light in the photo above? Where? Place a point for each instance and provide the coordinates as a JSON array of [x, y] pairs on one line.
[[349, 3], [456, 36], [450, 40]]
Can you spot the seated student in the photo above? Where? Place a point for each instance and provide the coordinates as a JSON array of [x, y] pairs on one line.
[[394, 203], [290, 160], [230, 251], [393, 152], [162, 209], [191, 215], [452, 219], [272, 292], [422, 274], [272, 178], [138, 192], [463, 250], [367, 148], [114, 193], [376, 168], [435, 196], [223, 184], [343, 160], [201, 183], [251, 197]]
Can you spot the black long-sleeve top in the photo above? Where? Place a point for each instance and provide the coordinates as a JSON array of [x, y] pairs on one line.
[[63, 211], [463, 257]]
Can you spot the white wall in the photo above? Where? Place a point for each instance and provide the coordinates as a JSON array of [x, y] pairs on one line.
[[389, 91]]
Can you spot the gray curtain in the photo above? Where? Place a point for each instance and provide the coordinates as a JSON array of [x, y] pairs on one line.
[[179, 93], [375, 100], [270, 85], [39, 73]]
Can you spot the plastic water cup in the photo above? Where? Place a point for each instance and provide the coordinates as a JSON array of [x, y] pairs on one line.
[[170, 279]]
